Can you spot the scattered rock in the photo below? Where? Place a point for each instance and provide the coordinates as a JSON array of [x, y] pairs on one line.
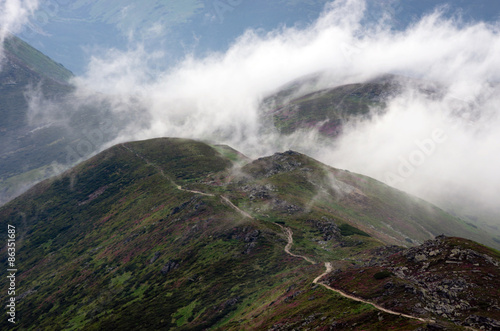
[[280, 162], [293, 296], [420, 258], [261, 192], [169, 266], [329, 230], [483, 323], [231, 302], [155, 257]]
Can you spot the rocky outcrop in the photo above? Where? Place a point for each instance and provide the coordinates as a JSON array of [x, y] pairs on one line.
[[328, 229], [482, 323], [251, 241], [259, 192], [169, 266], [447, 279], [155, 257], [279, 163]]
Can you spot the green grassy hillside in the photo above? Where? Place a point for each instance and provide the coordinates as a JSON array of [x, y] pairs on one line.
[[173, 234], [294, 184]]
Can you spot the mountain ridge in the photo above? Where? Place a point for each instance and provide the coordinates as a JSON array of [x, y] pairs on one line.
[[172, 216], [24, 54]]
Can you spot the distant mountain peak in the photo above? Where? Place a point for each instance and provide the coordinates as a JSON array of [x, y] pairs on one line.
[[21, 53]]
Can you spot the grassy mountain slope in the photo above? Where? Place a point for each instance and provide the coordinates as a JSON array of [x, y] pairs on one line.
[[294, 184], [306, 103], [172, 233]]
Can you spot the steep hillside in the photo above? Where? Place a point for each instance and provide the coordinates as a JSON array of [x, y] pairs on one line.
[[445, 278], [44, 127], [173, 233]]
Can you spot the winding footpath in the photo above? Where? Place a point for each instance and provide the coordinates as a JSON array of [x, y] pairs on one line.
[[329, 268], [289, 235], [160, 170], [242, 212]]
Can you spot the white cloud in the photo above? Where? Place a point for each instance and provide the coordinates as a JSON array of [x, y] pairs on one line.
[[217, 97], [13, 15]]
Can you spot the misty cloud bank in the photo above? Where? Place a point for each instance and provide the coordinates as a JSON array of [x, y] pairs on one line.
[[444, 147], [14, 14]]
